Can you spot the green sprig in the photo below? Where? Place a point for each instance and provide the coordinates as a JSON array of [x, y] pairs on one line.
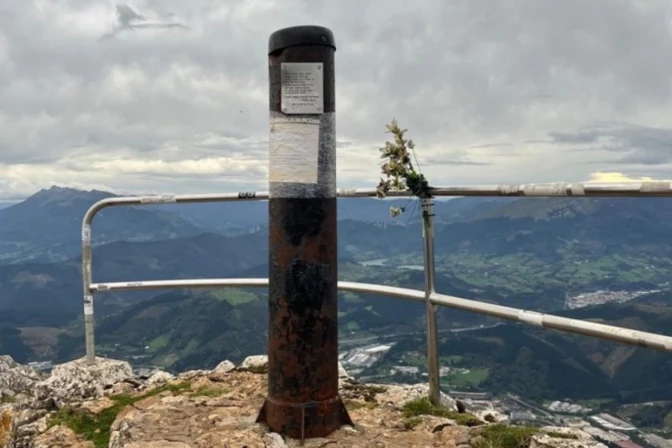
[[400, 174]]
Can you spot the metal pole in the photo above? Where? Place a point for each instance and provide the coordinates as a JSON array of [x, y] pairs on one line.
[[432, 344], [303, 399], [89, 334]]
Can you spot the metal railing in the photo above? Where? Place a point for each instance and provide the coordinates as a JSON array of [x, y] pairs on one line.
[[429, 296]]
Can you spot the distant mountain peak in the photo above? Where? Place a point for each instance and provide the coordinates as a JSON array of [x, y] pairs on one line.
[[57, 193]]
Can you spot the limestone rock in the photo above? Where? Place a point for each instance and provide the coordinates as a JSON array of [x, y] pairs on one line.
[[274, 440], [191, 374], [491, 416], [60, 436], [255, 364], [342, 373], [76, 380], [457, 435], [224, 367], [343, 376], [399, 394], [122, 388], [16, 378], [98, 405], [26, 425], [160, 377], [220, 407], [574, 438]]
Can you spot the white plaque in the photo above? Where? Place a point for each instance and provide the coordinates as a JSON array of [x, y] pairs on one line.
[[294, 149], [302, 88]]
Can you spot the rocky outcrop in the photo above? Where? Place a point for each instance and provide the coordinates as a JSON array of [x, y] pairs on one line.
[[16, 379], [218, 408], [400, 395], [560, 437], [76, 380]]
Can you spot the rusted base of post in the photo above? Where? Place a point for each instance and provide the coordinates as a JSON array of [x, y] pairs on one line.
[[304, 420]]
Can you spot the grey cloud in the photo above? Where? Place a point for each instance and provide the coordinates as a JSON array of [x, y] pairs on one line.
[[638, 144], [573, 138], [491, 145], [456, 73], [452, 161]]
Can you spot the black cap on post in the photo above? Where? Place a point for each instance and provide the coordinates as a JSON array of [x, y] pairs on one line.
[[303, 399], [297, 36]]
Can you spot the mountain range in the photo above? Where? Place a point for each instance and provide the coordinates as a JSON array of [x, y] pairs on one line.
[[46, 226], [531, 253]]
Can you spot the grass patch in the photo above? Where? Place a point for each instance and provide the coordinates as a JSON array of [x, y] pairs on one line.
[[352, 326], [412, 422], [451, 360], [473, 378], [504, 436], [96, 427], [205, 391], [352, 405], [234, 296], [7, 399], [423, 406], [561, 435], [158, 342]]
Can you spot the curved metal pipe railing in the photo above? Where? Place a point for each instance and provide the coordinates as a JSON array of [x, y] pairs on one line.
[[550, 321], [429, 296]]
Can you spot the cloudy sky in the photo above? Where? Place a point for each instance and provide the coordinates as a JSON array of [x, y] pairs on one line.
[[491, 91]]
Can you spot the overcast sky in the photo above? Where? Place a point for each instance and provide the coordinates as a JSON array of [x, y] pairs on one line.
[[491, 91]]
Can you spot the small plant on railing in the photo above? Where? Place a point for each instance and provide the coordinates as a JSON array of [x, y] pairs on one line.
[[400, 174]]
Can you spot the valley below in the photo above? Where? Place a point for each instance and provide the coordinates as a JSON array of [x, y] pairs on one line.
[[576, 258]]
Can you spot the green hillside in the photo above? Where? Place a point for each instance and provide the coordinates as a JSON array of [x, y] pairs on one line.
[[544, 365]]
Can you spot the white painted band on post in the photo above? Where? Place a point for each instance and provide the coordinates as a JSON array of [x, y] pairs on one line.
[[531, 317]]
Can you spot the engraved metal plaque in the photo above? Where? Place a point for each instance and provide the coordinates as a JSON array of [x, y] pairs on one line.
[[302, 88]]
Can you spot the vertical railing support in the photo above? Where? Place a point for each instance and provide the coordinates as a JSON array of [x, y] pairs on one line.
[[432, 343], [89, 336], [303, 399]]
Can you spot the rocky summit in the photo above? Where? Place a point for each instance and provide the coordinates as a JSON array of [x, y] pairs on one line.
[[107, 405]]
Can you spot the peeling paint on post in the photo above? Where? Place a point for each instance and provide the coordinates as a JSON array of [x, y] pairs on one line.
[[303, 399]]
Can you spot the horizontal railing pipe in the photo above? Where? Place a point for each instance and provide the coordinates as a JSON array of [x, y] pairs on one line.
[[556, 189], [198, 283], [564, 324], [357, 288]]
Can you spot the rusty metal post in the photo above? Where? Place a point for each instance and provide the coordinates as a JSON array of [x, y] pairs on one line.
[[303, 399]]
